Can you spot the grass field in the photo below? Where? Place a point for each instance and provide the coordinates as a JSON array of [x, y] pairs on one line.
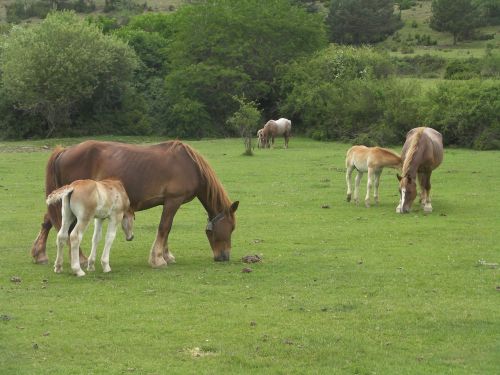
[[342, 289]]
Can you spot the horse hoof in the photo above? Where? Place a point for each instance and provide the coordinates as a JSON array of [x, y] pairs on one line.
[[169, 258], [90, 267], [348, 197], [41, 259], [58, 269], [106, 269], [428, 208], [79, 273], [159, 263]]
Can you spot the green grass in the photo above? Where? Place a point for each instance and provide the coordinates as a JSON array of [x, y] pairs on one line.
[[342, 289]]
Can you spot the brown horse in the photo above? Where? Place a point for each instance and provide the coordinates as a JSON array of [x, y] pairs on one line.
[[421, 154], [169, 174], [371, 160]]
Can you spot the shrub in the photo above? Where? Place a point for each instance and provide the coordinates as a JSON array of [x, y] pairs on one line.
[[463, 69], [466, 113]]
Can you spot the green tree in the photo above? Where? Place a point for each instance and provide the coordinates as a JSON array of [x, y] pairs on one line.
[[246, 120], [225, 48], [361, 21], [459, 17], [63, 65]]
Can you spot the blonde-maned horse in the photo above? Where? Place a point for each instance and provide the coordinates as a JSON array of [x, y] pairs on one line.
[[274, 128], [422, 153], [84, 200], [371, 160]]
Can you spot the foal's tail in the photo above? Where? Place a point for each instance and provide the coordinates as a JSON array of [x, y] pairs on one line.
[[59, 194]]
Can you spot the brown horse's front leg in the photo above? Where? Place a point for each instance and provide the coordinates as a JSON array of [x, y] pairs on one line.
[[38, 251], [160, 255]]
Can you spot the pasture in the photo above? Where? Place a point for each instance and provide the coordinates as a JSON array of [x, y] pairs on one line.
[[341, 288]]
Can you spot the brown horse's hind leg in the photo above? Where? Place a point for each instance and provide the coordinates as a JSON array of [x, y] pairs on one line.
[[38, 251], [160, 255], [425, 186]]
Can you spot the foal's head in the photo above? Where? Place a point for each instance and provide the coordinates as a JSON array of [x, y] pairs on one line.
[[407, 193], [219, 230], [128, 224]]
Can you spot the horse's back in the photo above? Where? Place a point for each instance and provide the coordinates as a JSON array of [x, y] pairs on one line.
[[148, 173], [432, 143]]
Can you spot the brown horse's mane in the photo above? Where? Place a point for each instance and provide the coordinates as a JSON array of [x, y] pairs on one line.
[[412, 149], [217, 196]]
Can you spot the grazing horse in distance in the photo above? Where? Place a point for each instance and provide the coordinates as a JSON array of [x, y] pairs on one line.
[[169, 174], [422, 153], [371, 160], [84, 200], [260, 138], [274, 128]]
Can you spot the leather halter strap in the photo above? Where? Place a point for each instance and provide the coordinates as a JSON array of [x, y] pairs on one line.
[[212, 222]]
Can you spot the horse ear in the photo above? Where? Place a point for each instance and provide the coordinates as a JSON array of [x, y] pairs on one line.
[[399, 177], [234, 206]]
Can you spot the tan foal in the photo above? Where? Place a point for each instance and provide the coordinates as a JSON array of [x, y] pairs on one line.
[[84, 200]]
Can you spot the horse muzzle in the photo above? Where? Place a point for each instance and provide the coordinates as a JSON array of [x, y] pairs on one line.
[[223, 256], [130, 238]]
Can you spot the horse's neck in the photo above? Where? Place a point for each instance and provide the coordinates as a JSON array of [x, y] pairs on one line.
[[213, 207]]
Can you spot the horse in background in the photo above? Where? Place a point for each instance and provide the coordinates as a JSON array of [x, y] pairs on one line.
[[422, 153], [169, 174], [84, 200], [260, 139], [275, 128], [371, 160]]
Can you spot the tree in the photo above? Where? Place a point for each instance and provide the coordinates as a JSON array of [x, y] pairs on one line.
[[458, 17], [245, 120], [57, 67], [225, 48], [361, 21]]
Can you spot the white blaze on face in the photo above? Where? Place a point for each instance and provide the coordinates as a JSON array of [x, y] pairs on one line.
[[403, 193]]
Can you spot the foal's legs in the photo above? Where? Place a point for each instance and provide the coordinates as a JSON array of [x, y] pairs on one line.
[[62, 237], [359, 176], [160, 255], [110, 237], [95, 240], [75, 239], [376, 183], [348, 175], [371, 178]]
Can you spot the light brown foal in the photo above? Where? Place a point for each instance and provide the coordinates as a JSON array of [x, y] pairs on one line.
[[371, 160], [84, 200]]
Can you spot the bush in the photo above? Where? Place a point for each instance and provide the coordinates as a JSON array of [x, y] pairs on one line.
[[420, 65], [466, 113], [463, 69]]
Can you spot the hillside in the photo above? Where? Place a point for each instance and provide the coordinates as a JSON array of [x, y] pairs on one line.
[[416, 26]]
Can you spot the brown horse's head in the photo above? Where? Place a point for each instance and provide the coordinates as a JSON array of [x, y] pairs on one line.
[[219, 230], [407, 193]]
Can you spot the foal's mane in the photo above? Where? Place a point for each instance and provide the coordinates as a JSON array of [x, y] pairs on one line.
[[412, 149], [217, 196]]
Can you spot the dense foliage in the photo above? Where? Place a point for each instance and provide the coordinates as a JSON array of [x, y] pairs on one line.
[[183, 74], [63, 67], [361, 21]]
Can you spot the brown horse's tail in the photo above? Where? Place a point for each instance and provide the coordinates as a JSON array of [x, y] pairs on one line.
[[51, 184]]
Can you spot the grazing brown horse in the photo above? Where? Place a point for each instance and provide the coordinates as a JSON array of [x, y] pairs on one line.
[[371, 160], [169, 174], [422, 153], [274, 128]]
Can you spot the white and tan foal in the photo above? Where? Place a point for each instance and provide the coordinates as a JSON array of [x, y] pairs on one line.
[[84, 200], [371, 160]]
